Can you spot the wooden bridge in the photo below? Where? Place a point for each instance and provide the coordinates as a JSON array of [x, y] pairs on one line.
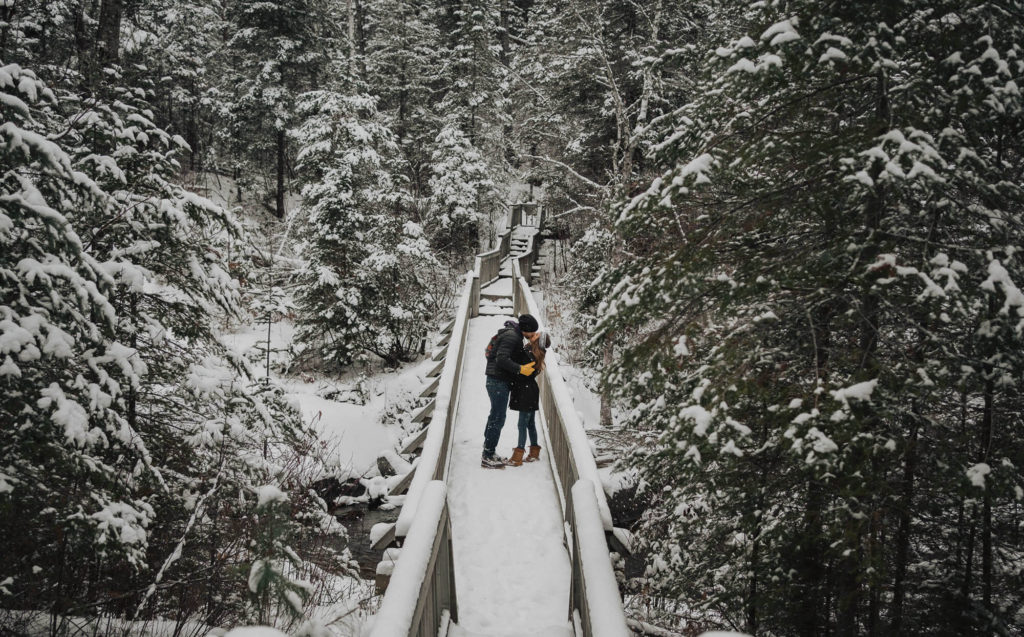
[[521, 551]]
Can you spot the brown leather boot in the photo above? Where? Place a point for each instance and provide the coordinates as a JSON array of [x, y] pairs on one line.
[[534, 454], [517, 457]]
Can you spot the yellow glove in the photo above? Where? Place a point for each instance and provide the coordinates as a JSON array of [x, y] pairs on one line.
[[527, 369]]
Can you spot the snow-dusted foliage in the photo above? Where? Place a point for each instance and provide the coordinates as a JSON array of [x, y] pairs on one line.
[[831, 328], [360, 289], [130, 435], [277, 50], [63, 375]]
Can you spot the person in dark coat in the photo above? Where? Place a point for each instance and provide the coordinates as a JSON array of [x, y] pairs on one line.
[[525, 397], [501, 371]]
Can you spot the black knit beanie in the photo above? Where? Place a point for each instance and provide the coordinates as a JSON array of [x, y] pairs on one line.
[[527, 323]]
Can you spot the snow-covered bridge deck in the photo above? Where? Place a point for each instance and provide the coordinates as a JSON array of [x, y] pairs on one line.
[[512, 568]]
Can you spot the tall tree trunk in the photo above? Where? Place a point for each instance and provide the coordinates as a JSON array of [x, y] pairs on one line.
[[133, 304], [503, 34], [83, 39], [109, 33], [606, 397], [350, 9], [903, 527], [280, 173], [986, 503], [809, 621]]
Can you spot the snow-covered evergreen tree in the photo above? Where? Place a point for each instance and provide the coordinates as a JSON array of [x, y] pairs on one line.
[[359, 290], [460, 191], [129, 431], [830, 318], [278, 50], [72, 460]]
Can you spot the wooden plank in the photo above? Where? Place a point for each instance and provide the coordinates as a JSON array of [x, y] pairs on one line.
[[616, 545], [426, 617], [382, 579], [447, 329], [417, 442], [424, 411], [403, 484], [437, 370], [431, 389], [385, 540], [444, 339], [439, 354]]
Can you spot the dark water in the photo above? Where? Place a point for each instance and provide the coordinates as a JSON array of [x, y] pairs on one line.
[[358, 519]]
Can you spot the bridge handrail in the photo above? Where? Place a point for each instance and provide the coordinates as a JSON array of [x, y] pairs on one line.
[[594, 601], [570, 449], [595, 606], [433, 464], [419, 591], [488, 264]]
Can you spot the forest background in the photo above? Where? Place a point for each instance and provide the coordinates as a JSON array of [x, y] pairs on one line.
[[795, 234]]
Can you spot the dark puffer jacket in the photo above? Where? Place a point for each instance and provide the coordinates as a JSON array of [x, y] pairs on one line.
[[500, 364], [525, 394]]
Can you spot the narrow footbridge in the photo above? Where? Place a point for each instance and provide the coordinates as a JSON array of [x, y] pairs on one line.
[[486, 553]]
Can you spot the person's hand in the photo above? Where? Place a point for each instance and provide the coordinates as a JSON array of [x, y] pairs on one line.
[[527, 369]]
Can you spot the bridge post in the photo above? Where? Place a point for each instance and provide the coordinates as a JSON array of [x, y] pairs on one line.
[[474, 294]]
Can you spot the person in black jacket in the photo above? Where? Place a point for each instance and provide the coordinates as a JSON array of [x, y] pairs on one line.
[[526, 397], [501, 371]]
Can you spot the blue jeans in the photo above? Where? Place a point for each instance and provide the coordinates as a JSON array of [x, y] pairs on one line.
[[527, 424], [498, 391]]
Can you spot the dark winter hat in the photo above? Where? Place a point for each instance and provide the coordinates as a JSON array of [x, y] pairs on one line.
[[527, 323]]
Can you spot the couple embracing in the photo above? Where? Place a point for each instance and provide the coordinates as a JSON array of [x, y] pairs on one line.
[[515, 356]]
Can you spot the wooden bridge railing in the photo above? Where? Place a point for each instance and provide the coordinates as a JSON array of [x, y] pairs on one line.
[[595, 607], [576, 476], [421, 594], [427, 544]]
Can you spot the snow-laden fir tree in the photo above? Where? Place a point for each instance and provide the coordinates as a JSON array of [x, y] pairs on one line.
[[278, 49], [130, 435], [360, 289], [828, 299], [461, 192], [66, 443], [406, 71], [474, 68]]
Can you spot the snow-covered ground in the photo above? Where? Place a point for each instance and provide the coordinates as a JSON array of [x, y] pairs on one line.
[[511, 566], [350, 422]]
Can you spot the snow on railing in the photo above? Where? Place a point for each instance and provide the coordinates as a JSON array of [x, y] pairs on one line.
[[422, 588], [570, 452], [594, 594], [433, 464], [487, 265]]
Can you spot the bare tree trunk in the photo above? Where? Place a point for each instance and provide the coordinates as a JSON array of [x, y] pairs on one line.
[[503, 35], [606, 400], [903, 528], [280, 173], [109, 34], [810, 619], [350, 8], [986, 503]]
